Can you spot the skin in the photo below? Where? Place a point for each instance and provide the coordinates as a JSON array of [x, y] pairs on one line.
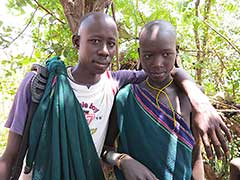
[[235, 169], [157, 54], [89, 68], [96, 48], [9, 156]]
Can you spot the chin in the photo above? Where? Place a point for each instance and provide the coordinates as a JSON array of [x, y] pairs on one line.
[[100, 71], [158, 78]]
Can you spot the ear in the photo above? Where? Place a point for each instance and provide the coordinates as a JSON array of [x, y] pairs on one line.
[[75, 41], [139, 65], [176, 61]]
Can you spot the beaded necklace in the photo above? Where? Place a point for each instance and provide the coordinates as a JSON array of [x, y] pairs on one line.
[[161, 90]]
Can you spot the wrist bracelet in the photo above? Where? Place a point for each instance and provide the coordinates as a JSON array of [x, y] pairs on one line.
[[118, 162], [112, 157]]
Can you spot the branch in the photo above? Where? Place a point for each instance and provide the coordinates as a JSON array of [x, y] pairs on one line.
[[107, 7], [117, 50], [73, 11], [228, 110], [141, 17], [214, 101], [198, 45], [229, 42], [194, 50], [205, 32], [38, 32], [24, 29], [3, 39], [45, 9]]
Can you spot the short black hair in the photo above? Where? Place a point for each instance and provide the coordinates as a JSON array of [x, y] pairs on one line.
[[87, 15]]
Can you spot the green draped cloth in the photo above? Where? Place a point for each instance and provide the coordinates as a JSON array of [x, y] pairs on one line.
[[148, 134], [60, 143]]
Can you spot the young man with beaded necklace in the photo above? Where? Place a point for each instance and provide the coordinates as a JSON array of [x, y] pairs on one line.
[[154, 117], [96, 47]]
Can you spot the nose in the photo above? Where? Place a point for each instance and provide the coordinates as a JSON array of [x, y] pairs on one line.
[[103, 51], [158, 62]]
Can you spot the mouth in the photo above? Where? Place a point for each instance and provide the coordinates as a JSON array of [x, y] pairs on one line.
[[101, 63], [157, 73]]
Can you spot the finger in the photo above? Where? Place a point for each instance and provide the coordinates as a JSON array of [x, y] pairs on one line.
[[153, 177], [226, 131], [217, 145], [150, 175], [207, 146], [222, 140]]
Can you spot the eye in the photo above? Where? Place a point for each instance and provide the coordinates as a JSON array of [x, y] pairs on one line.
[[111, 44], [165, 54], [147, 56], [95, 41]]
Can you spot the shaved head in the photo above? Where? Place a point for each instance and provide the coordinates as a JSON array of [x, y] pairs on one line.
[[156, 28], [91, 18], [157, 51], [96, 42]]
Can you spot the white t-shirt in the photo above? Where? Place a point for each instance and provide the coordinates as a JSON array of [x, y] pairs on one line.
[[96, 102]]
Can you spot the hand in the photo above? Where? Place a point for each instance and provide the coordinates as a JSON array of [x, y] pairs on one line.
[[134, 170], [211, 128], [207, 121]]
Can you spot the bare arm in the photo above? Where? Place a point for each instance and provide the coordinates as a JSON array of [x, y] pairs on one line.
[[235, 169], [197, 161], [131, 168], [9, 156], [207, 120]]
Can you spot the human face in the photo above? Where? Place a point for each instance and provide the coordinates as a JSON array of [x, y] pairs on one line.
[[97, 44], [157, 55]]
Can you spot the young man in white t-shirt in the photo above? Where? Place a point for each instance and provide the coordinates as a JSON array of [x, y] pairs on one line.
[[95, 88]]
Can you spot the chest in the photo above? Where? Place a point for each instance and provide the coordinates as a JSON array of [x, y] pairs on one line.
[[174, 99]]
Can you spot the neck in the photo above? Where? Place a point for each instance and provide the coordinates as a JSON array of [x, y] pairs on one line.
[[82, 76], [160, 85], [160, 88]]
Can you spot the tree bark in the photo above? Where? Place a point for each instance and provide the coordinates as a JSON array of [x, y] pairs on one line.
[[198, 46], [75, 9], [205, 55]]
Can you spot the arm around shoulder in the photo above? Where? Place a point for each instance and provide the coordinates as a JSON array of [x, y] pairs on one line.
[[209, 123]]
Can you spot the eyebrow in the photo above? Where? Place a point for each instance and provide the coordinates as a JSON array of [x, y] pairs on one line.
[[98, 36], [172, 50], [146, 51]]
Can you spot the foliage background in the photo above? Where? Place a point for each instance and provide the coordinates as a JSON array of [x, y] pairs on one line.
[[208, 37]]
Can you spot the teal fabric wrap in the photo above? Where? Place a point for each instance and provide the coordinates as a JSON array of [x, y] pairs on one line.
[[147, 133], [60, 143]]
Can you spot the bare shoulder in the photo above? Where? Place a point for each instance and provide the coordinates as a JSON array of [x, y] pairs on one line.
[[183, 104]]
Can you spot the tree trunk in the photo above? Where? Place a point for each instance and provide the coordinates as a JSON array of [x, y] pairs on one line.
[[198, 46], [75, 9]]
